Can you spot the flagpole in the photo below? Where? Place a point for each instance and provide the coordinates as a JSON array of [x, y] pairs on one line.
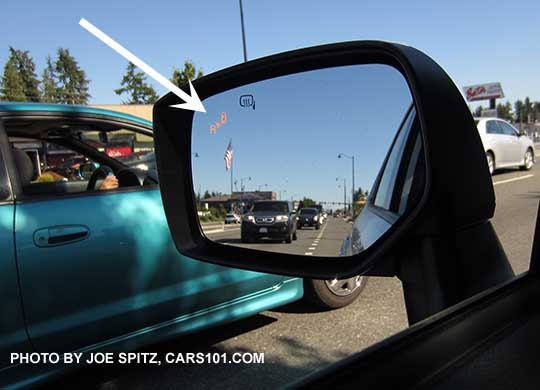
[[232, 164]]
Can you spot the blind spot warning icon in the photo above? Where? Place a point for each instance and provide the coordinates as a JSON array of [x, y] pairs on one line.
[[247, 101]]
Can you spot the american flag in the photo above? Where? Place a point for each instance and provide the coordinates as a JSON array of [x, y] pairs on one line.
[[228, 156]]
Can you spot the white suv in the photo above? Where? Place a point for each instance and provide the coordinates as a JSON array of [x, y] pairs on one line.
[[505, 147]]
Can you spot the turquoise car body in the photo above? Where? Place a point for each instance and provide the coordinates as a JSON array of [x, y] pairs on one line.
[[123, 287]]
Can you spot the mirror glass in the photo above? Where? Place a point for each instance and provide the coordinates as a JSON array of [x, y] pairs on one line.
[[288, 164]]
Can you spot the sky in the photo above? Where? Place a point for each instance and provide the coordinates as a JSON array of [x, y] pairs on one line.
[[292, 139], [475, 42], [482, 42]]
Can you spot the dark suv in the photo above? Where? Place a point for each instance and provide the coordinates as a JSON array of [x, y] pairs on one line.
[[272, 219], [310, 217]]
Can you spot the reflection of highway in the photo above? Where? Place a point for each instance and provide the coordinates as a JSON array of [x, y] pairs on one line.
[[326, 241]]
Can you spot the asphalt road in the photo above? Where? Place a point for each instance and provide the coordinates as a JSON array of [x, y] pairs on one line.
[[326, 241], [297, 340]]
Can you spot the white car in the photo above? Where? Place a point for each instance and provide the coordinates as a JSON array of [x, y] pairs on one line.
[[504, 145], [232, 218]]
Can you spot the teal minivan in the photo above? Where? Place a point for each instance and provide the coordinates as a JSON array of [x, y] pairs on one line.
[[85, 268]]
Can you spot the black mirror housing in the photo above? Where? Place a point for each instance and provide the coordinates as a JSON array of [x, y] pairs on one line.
[[458, 191]]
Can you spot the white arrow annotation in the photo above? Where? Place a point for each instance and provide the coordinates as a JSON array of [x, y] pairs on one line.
[[191, 102]]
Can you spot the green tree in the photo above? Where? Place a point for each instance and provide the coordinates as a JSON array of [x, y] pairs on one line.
[[307, 202], [359, 194], [519, 111], [72, 82], [357, 208], [189, 72], [504, 111], [134, 84], [536, 108], [49, 89], [528, 109], [478, 111], [27, 71], [12, 86]]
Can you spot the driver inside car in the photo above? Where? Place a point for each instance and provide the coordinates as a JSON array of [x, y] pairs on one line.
[[109, 183], [25, 167]]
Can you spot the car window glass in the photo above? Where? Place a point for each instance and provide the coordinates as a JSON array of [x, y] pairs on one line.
[[492, 127], [51, 162], [133, 149], [59, 170], [410, 175], [507, 129], [60, 163], [385, 188]]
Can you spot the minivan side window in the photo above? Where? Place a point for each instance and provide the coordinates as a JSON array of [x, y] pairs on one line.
[[385, 189]]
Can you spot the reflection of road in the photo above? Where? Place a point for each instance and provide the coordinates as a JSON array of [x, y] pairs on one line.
[[326, 241]]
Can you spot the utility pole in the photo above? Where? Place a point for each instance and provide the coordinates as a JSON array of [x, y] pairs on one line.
[[342, 155], [344, 193], [243, 30]]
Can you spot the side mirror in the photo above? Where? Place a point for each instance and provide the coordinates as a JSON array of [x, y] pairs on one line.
[[389, 110], [522, 133]]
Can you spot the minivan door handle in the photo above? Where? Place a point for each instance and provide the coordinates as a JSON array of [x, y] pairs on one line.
[[59, 235]]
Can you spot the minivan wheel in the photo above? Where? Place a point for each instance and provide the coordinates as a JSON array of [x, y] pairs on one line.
[[528, 160], [335, 293], [490, 162]]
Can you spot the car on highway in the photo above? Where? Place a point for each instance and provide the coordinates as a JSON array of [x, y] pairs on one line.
[[504, 145], [322, 214], [309, 217], [84, 269], [232, 218], [269, 219]]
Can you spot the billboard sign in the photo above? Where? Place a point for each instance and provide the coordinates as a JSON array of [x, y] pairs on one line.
[[483, 92], [118, 151]]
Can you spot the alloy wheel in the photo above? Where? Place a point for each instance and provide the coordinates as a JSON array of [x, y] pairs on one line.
[[344, 287]]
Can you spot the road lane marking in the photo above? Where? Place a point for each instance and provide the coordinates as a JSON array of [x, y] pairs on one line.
[[309, 253], [315, 243], [513, 179], [312, 248]]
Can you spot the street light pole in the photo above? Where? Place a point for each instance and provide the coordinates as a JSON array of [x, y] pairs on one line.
[[344, 193], [243, 30], [242, 182]]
